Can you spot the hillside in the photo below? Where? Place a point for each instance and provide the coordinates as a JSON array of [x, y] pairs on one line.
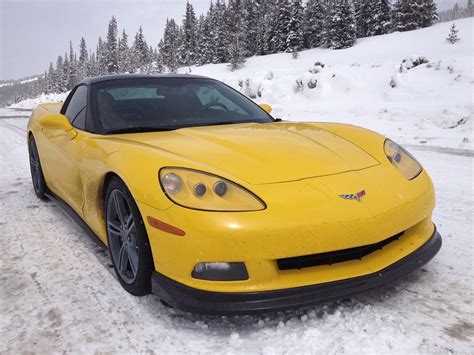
[[431, 103]]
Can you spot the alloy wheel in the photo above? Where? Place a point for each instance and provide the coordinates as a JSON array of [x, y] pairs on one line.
[[122, 235]]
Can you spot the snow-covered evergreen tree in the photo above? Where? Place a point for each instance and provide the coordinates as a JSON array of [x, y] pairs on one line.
[[169, 46], [111, 53], [405, 15], [204, 41], [341, 31], [469, 9], [453, 34], [188, 48], [252, 24], [427, 13], [73, 68], [101, 57], [295, 37], [236, 54], [265, 28], [380, 23], [124, 56], [83, 54], [50, 80], [281, 15], [372, 17], [237, 33], [92, 66], [140, 55], [220, 34], [65, 74], [362, 10], [314, 24]]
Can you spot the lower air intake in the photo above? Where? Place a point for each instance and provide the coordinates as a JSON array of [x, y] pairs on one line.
[[333, 257]]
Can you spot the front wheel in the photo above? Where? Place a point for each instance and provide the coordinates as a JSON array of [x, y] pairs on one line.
[[37, 177], [128, 241]]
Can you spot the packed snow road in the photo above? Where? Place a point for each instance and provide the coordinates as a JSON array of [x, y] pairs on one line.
[[58, 292]]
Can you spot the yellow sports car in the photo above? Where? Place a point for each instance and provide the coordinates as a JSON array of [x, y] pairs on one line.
[[203, 197]]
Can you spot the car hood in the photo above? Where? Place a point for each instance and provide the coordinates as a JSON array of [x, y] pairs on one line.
[[262, 153]]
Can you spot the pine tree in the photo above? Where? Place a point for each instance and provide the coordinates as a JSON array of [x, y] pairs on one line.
[[363, 14], [380, 22], [83, 54], [265, 28], [470, 9], [92, 66], [237, 32], [111, 53], [427, 13], [140, 52], [59, 75], [315, 15], [124, 54], [453, 34], [220, 34], [279, 30], [252, 24], [188, 49], [169, 46], [341, 25], [295, 37], [405, 15], [202, 41], [50, 84], [101, 57], [72, 70], [65, 74]]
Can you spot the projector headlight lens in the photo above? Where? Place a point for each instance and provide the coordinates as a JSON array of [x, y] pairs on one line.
[[405, 163], [204, 191], [171, 183]]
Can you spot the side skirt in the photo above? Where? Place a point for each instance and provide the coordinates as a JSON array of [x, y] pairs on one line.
[[76, 218]]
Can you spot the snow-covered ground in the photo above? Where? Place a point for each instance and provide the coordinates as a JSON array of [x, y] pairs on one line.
[[30, 104], [58, 292]]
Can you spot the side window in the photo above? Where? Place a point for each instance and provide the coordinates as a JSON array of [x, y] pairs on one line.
[[77, 103], [80, 121]]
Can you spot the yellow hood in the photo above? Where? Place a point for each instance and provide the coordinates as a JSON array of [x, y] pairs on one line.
[[263, 153]]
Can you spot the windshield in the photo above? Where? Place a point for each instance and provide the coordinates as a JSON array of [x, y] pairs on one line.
[[140, 105]]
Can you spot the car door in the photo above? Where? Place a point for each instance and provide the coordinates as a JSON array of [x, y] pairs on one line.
[[65, 157]]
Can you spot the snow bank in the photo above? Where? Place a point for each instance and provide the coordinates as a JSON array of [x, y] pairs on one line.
[[412, 86], [30, 104]]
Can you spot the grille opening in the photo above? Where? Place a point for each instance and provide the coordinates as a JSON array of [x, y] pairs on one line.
[[333, 257]]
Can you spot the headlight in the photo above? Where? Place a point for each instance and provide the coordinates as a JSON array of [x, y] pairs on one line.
[[402, 160], [203, 191]]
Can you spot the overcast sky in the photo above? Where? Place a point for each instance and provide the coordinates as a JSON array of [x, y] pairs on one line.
[[35, 32]]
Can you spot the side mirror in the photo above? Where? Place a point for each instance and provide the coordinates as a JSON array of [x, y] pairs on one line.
[[58, 123], [266, 107]]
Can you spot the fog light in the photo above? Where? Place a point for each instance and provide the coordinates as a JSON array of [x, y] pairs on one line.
[[220, 271]]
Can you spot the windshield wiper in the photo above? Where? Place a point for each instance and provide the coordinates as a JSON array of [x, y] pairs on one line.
[[137, 130], [228, 122]]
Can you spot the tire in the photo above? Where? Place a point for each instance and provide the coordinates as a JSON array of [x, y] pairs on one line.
[[37, 176], [127, 239]]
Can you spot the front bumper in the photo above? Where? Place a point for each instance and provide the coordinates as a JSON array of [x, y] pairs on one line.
[[229, 303]]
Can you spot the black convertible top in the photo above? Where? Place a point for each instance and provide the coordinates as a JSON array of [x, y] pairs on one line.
[[103, 78]]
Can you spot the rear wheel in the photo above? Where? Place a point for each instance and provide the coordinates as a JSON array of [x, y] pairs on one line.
[[128, 241], [37, 176]]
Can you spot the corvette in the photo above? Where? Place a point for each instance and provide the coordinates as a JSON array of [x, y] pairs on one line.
[[202, 197]]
